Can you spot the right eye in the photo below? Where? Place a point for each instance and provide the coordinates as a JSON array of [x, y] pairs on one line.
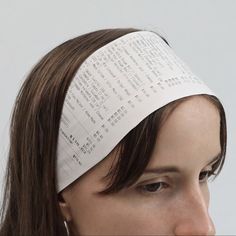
[[153, 187]]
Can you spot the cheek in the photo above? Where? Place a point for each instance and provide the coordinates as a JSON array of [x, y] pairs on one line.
[[128, 214], [122, 216]]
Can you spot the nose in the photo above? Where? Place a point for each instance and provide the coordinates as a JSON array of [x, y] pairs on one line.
[[194, 219]]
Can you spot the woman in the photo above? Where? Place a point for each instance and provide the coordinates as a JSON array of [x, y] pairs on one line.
[[153, 178]]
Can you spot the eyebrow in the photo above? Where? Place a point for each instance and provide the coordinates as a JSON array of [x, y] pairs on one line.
[[175, 169]]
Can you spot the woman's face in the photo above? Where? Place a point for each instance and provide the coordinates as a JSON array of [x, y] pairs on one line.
[[177, 202]]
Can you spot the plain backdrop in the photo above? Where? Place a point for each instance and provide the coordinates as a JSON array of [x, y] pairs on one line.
[[202, 33]]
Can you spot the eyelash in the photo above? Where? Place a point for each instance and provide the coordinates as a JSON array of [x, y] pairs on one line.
[[142, 188]]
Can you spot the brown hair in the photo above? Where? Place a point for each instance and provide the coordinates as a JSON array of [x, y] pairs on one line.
[[30, 204]]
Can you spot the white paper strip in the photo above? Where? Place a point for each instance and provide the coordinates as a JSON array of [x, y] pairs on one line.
[[112, 92]]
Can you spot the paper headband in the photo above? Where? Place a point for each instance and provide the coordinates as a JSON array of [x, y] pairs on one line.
[[114, 89]]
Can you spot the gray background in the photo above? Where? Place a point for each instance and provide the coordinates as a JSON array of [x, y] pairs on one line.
[[202, 33]]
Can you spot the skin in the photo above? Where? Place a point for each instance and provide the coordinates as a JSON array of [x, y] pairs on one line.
[[189, 140]]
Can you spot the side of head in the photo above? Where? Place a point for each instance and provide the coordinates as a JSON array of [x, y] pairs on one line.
[[31, 205]]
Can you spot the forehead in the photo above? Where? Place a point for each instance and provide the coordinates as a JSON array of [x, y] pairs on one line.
[[191, 131], [190, 136]]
